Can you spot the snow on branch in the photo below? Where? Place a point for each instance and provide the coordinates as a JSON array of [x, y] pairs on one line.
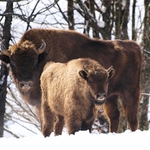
[[146, 51], [2, 80], [85, 13], [145, 94]]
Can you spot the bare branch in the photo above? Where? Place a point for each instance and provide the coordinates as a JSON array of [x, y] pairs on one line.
[[86, 14], [7, 130], [64, 16]]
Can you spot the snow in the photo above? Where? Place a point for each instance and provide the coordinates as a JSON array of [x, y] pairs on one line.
[[82, 140], [101, 24], [124, 2], [2, 80]]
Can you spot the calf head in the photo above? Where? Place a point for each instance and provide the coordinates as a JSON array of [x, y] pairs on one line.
[[98, 81], [23, 60]]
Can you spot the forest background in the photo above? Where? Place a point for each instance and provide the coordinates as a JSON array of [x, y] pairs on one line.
[[104, 19]]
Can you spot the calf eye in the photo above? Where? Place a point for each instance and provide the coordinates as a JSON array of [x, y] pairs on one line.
[[107, 80]]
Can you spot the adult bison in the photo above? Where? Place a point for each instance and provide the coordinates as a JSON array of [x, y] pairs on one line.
[[72, 93], [28, 57]]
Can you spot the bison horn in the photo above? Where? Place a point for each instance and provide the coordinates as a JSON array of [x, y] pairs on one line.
[[111, 72], [110, 68], [4, 49], [42, 47]]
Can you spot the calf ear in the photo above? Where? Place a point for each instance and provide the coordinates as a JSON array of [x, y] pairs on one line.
[[111, 72], [83, 74]]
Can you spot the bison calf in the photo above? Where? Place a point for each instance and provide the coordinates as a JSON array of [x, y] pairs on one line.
[[70, 93]]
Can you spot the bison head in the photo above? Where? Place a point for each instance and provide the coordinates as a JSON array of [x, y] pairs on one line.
[[98, 81], [23, 60]]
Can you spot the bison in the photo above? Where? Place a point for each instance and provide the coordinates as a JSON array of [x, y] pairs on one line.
[[38, 46], [70, 92]]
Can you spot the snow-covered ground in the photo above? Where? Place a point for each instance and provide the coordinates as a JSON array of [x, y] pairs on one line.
[[138, 140], [82, 140]]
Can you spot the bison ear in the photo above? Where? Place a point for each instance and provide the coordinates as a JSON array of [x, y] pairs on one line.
[[83, 74], [4, 58], [111, 72]]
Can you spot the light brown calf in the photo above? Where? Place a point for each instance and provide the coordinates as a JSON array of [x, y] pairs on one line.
[[70, 92]]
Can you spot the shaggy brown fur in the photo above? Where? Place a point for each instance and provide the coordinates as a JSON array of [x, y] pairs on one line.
[[70, 92], [64, 45]]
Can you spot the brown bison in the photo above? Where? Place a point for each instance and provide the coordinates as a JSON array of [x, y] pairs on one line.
[[28, 57], [70, 92]]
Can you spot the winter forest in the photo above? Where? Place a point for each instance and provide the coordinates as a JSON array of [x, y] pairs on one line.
[[102, 19]]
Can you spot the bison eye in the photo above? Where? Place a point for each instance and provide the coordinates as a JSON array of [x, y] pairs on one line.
[[90, 81], [35, 64]]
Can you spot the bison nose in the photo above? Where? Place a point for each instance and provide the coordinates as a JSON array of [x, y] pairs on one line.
[[25, 85], [100, 96]]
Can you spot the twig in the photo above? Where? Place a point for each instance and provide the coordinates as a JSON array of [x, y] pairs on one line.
[[7, 130]]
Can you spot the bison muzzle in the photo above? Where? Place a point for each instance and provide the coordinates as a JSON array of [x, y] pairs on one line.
[[25, 85]]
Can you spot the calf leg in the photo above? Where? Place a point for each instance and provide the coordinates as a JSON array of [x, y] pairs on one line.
[[47, 119], [112, 112], [73, 125], [73, 122], [84, 126], [59, 124], [87, 125]]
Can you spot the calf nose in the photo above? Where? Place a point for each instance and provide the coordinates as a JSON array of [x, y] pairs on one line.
[[25, 85], [100, 96]]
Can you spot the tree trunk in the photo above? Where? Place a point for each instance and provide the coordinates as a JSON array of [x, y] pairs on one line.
[[92, 10], [70, 15], [121, 12], [145, 69], [86, 20], [108, 17], [133, 21], [3, 85], [4, 69]]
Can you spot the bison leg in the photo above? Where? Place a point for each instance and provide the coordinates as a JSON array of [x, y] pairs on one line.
[[47, 119], [131, 105], [112, 112], [38, 112], [59, 124]]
